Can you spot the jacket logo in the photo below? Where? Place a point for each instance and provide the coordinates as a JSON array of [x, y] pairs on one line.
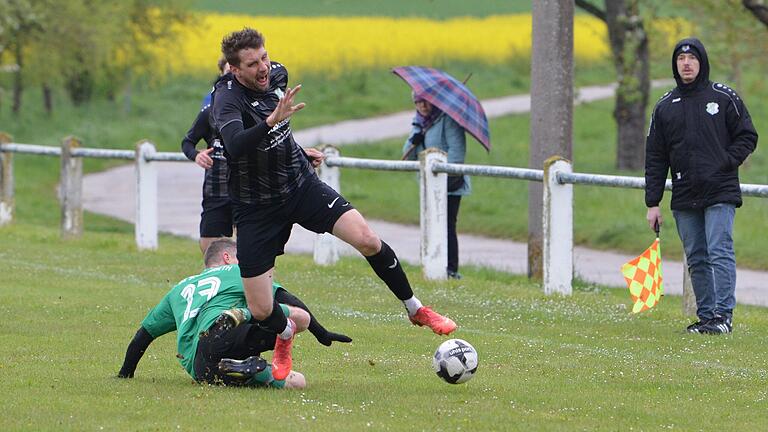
[[279, 93], [713, 108]]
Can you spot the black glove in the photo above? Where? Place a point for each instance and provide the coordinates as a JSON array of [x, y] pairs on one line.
[[327, 338], [417, 139]]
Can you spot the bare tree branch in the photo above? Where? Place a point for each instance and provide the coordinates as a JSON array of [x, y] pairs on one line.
[[758, 9], [594, 10]]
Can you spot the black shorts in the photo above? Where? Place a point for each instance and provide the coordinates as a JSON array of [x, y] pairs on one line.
[[239, 343], [216, 218], [262, 232]]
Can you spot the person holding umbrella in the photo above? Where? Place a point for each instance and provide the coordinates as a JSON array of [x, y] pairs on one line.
[[445, 109], [433, 129]]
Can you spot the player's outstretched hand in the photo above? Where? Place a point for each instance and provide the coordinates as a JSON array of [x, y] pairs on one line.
[[285, 107], [328, 338]]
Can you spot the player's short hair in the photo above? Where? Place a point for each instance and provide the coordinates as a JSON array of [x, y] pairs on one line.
[[217, 247], [240, 40]]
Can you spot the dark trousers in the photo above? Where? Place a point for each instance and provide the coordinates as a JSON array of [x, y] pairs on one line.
[[453, 241]]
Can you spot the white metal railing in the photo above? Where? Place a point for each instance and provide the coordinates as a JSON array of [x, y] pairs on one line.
[[557, 216], [71, 183], [557, 177]]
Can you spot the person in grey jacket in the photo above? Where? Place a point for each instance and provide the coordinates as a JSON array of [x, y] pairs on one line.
[[701, 131], [432, 128]]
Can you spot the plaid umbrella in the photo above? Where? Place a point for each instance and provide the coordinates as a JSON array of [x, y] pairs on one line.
[[450, 96]]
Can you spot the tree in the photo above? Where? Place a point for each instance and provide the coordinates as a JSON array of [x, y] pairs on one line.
[[758, 9], [731, 46], [551, 107], [20, 25], [629, 47], [82, 44]]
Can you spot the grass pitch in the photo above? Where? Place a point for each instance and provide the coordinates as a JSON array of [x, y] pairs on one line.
[[546, 363]]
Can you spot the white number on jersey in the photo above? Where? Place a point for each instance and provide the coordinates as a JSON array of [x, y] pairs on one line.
[[188, 293]]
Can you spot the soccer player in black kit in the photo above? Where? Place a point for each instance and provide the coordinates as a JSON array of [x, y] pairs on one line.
[[272, 185]]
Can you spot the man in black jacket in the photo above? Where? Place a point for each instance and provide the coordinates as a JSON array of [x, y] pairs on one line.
[[702, 132]]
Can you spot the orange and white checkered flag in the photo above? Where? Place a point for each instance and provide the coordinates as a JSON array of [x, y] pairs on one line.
[[644, 278]]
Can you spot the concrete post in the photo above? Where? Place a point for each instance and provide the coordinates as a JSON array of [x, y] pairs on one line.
[[551, 106], [433, 215], [146, 197], [689, 298], [557, 224], [71, 190], [326, 251], [6, 182]]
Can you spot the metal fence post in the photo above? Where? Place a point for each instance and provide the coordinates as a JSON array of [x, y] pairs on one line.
[[71, 189], [6, 183], [326, 250], [146, 197], [689, 298], [557, 225], [433, 215]]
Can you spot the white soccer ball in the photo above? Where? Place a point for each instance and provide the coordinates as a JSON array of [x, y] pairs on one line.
[[455, 361]]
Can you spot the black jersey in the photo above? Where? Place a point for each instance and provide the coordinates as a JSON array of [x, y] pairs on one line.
[[215, 182], [266, 165]]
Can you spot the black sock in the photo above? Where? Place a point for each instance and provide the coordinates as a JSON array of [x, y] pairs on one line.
[[276, 321], [387, 268]]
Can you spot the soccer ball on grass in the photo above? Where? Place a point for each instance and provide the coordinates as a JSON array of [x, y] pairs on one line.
[[455, 361]]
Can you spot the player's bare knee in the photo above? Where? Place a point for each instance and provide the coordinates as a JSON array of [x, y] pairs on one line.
[[369, 242], [300, 317]]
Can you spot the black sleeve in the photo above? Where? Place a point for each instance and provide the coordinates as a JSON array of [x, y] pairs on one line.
[[200, 129], [239, 141], [742, 132], [228, 119], [656, 162], [135, 351]]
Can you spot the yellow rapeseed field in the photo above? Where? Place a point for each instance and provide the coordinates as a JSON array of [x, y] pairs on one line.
[[334, 44]]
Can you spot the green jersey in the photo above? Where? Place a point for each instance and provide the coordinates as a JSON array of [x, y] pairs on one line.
[[193, 305]]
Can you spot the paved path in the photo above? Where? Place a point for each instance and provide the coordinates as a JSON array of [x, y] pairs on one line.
[[112, 193]]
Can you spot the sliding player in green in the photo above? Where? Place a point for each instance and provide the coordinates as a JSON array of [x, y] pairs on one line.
[[217, 341]]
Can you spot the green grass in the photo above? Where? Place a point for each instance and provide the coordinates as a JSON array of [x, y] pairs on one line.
[[163, 111], [546, 363], [435, 9], [605, 218]]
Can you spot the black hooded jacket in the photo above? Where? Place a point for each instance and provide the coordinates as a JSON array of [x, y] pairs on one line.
[[702, 132]]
